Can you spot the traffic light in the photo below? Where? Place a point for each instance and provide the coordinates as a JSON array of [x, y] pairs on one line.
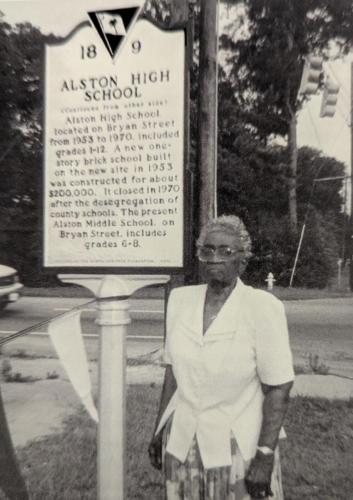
[[312, 72], [329, 98]]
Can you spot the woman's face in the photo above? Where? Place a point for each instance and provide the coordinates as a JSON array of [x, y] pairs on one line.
[[218, 270]]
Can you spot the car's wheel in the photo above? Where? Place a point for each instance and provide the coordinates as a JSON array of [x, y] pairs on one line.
[[3, 305]]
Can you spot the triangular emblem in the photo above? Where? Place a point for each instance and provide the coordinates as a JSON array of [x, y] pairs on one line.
[[113, 26]]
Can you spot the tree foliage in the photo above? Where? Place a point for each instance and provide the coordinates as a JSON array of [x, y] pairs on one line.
[[21, 107], [252, 184], [265, 65], [159, 10]]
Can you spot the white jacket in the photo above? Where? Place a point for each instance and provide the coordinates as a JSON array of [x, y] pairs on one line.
[[219, 374]]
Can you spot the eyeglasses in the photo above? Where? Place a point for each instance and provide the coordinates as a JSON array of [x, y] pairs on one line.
[[223, 253]]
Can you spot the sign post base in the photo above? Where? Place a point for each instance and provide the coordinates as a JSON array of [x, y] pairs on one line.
[[113, 318]]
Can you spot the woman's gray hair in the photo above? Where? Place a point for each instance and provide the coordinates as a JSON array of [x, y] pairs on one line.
[[230, 224]]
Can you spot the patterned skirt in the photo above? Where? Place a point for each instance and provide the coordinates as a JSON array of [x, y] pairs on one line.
[[190, 481]]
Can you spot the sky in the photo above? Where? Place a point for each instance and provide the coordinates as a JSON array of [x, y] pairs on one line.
[[331, 135]]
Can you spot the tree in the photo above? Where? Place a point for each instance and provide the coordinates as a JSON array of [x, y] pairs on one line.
[[21, 66], [326, 196], [266, 65], [159, 10], [252, 184], [21, 101]]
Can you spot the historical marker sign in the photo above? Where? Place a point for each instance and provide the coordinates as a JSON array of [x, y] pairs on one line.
[[114, 150]]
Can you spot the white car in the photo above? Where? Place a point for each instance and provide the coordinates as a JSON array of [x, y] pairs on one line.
[[10, 286]]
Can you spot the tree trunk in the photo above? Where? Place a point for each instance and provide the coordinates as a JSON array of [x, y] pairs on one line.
[[350, 246], [292, 174], [207, 110]]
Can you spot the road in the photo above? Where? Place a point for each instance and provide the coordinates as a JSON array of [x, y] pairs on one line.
[[322, 328], [145, 333]]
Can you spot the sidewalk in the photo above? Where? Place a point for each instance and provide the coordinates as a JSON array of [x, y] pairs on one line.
[[38, 408], [322, 386]]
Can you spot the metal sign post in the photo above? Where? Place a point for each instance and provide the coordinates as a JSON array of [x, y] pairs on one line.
[[113, 310], [113, 320]]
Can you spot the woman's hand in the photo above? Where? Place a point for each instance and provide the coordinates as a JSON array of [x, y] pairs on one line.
[[258, 477], [155, 451]]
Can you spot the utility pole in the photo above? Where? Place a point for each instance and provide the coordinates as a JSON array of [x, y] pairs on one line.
[[207, 111], [179, 15], [350, 246]]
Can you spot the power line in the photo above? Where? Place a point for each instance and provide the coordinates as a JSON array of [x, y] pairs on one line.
[[336, 177]]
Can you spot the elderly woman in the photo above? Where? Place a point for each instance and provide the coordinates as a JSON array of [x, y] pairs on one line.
[[227, 381]]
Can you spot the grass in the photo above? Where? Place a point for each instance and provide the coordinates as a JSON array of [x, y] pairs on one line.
[[7, 375], [157, 292], [312, 366], [318, 455], [316, 459], [23, 354]]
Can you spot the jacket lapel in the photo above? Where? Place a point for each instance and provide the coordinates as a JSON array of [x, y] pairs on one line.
[[224, 326], [191, 319]]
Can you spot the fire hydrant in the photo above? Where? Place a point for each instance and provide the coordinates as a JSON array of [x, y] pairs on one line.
[[270, 281]]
